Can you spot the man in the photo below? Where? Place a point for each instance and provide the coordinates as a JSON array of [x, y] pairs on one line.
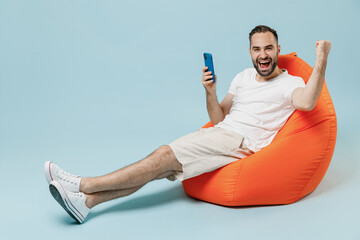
[[258, 103]]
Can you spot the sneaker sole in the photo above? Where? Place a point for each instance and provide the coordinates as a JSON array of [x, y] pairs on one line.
[[60, 196]]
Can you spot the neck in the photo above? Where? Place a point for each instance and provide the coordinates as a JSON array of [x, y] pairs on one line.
[[275, 73]]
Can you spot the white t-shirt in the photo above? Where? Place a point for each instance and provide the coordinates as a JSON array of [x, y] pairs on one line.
[[260, 109]]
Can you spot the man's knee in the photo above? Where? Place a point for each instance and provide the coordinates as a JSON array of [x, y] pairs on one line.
[[165, 151], [167, 157]]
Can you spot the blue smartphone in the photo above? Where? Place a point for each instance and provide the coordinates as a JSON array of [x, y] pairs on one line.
[[209, 63]]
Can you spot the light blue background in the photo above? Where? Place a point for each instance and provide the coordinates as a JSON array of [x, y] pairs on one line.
[[97, 85]]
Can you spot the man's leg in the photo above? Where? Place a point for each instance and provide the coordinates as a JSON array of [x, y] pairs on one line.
[[99, 197], [96, 198], [158, 164]]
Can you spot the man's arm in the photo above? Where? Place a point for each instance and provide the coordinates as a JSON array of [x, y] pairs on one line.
[[216, 111], [304, 99]]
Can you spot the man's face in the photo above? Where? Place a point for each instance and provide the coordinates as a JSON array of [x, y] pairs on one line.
[[264, 53]]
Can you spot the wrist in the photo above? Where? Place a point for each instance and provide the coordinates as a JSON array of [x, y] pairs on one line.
[[210, 92], [322, 57]]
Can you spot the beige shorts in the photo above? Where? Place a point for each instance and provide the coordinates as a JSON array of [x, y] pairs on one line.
[[206, 150]]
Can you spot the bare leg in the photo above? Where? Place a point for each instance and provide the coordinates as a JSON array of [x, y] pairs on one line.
[[96, 198], [159, 163], [99, 197]]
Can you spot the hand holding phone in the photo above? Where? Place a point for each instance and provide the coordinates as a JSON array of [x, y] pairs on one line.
[[209, 63]]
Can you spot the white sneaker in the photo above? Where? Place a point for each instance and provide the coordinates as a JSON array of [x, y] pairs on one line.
[[69, 181], [73, 203]]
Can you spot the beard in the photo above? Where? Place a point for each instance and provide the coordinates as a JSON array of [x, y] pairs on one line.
[[272, 63]]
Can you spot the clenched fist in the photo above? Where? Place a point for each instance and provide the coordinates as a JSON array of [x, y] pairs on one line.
[[323, 48]]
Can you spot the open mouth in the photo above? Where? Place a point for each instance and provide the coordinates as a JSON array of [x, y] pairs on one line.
[[264, 64]]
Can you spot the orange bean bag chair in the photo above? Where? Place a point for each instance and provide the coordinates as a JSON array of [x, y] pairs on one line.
[[285, 171]]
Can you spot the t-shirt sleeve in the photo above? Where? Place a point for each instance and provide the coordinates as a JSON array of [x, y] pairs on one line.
[[295, 82], [233, 85]]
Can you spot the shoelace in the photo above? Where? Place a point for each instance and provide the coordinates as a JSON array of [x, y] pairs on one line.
[[75, 194], [65, 176]]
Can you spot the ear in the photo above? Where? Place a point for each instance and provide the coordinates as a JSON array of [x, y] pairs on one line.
[[278, 49]]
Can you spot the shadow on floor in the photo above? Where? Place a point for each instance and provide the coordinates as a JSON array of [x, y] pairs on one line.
[[167, 196]]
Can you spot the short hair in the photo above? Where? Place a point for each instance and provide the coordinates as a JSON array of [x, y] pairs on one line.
[[263, 29]]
